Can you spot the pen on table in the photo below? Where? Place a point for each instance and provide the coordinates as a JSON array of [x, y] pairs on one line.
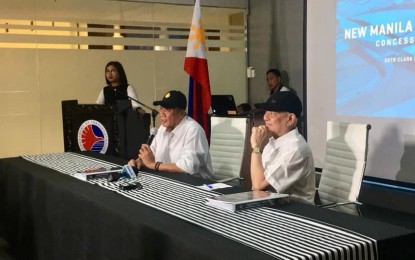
[[208, 186]]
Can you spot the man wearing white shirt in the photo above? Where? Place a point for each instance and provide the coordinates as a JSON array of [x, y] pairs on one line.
[[274, 82], [180, 144], [286, 164]]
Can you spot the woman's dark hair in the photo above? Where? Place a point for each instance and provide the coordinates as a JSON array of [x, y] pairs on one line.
[[120, 70]]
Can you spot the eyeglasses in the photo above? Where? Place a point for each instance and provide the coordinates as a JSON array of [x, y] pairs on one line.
[[111, 71]]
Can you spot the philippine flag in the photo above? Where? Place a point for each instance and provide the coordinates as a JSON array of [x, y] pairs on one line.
[[195, 64]]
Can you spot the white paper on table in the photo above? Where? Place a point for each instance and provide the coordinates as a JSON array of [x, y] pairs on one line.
[[214, 186]]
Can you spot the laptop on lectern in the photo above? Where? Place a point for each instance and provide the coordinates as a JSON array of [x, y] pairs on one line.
[[223, 105]]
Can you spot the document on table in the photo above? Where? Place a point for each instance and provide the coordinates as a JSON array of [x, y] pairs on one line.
[[214, 186]]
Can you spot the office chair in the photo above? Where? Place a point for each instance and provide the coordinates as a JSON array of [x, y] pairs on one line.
[[227, 147], [343, 167]]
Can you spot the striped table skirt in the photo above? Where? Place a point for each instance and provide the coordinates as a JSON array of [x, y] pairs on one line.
[[277, 233]]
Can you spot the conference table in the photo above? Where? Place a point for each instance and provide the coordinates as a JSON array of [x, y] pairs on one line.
[[46, 213]]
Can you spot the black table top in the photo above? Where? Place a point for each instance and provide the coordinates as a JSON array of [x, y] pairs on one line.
[[49, 215]]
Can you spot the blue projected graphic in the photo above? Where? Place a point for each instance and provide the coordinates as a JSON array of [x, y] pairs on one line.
[[375, 58]]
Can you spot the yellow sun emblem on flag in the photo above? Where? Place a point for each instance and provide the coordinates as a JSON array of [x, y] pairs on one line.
[[198, 35]]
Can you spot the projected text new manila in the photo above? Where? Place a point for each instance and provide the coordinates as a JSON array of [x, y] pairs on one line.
[[375, 59], [361, 69]]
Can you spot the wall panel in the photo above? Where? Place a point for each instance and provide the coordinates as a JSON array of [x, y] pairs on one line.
[[57, 50]]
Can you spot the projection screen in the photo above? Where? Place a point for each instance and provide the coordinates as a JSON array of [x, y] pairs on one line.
[[361, 68]]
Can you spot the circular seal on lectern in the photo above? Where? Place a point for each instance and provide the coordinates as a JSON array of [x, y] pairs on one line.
[[92, 136]]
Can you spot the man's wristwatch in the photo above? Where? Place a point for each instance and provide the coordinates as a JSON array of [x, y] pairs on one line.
[[256, 150]]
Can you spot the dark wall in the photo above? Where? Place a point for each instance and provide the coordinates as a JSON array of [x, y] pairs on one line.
[[276, 40]]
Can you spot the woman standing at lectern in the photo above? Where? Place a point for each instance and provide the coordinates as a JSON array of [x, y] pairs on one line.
[[117, 86]]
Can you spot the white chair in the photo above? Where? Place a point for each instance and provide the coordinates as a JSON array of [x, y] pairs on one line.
[[227, 147], [344, 166]]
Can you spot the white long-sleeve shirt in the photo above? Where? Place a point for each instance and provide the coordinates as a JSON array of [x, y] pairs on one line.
[[130, 92]]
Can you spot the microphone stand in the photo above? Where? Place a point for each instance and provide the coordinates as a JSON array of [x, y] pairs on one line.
[[123, 106], [154, 112]]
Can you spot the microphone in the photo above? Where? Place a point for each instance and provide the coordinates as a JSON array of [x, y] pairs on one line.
[[153, 132], [154, 112], [127, 172]]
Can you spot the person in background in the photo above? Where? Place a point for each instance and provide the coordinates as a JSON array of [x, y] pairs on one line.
[[180, 144], [286, 164], [117, 87], [274, 82]]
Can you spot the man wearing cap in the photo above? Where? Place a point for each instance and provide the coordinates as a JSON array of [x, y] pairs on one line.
[[180, 144], [286, 164]]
